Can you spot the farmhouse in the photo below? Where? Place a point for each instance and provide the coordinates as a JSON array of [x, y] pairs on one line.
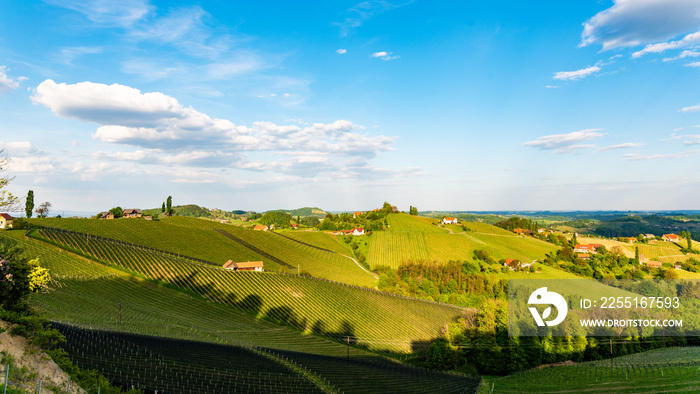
[[260, 227], [358, 231], [132, 213], [521, 231], [449, 220], [628, 239], [591, 248], [671, 238], [514, 264], [256, 266], [6, 220], [584, 256], [652, 263], [106, 215], [649, 236], [295, 226], [355, 215]]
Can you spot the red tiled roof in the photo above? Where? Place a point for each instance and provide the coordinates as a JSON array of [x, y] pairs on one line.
[[7, 216]]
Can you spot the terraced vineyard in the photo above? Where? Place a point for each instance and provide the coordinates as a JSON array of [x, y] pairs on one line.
[[403, 222], [318, 239], [661, 370], [59, 263], [199, 238], [119, 303], [186, 236], [377, 320], [393, 248]]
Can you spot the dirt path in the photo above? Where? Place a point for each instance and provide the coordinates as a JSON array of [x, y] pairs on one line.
[[36, 362]]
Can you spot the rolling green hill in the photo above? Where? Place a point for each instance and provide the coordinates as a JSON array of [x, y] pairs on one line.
[[106, 301], [660, 370], [414, 239], [203, 239], [377, 320]]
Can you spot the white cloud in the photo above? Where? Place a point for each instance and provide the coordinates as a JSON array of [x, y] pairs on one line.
[[693, 64], [384, 55], [113, 13], [171, 134], [631, 23], [562, 143], [690, 39], [6, 83], [575, 75], [688, 153], [692, 108], [683, 55], [626, 145], [341, 51]]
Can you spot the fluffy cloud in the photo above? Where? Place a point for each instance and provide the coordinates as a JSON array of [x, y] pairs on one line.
[[692, 108], [6, 83], [171, 134], [384, 55], [632, 23], [578, 74], [562, 143], [683, 55], [690, 39], [341, 51], [155, 120]]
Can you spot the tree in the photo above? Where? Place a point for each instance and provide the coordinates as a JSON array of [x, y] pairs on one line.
[[18, 276], [413, 210], [162, 209], [29, 204], [8, 202], [690, 242], [117, 212], [574, 241], [169, 205], [43, 210]]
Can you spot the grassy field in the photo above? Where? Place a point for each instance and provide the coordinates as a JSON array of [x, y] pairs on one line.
[[107, 301], [377, 320], [661, 370], [393, 248], [198, 238], [404, 222]]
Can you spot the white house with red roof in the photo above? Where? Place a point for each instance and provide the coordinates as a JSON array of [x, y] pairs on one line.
[[449, 220], [6, 220], [358, 231], [671, 238]]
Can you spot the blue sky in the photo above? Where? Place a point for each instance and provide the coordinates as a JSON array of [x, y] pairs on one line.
[[449, 105]]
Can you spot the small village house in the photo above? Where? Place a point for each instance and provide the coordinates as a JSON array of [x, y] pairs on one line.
[[653, 264], [6, 220], [449, 220], [358, 231], [671, 238], [356, 215], [522, 231], [132, 213], [260, 227], [255, 266], [591, 248], [106, 215]]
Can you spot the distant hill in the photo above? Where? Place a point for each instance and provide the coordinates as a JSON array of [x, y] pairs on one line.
[[308, 211]]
